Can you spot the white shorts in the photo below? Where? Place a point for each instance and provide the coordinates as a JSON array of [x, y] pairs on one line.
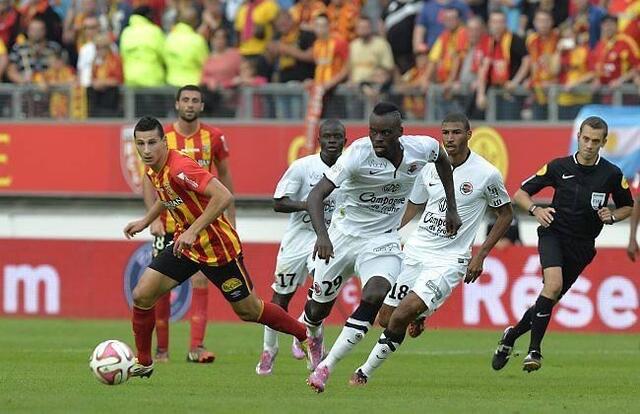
[[365, 256], [291, 272], [433, 282]]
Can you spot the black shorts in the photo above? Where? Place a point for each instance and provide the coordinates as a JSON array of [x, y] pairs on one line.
[[232, 278], [572, 255], [161, 242]]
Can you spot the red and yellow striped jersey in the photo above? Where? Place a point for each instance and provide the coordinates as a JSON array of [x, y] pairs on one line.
[[330, 56], [541, 51], [205, 146], [180, 185]]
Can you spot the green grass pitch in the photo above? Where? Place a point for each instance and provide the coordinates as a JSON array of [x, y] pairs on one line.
[[44, 369]]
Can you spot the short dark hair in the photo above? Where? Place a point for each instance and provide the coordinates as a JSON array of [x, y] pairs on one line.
[[323, 16], [144, 11], [383, 108], [148, 123], [595, 122], [188, 88], [388, 108], [457, 117], [330, 122], [609, 17]]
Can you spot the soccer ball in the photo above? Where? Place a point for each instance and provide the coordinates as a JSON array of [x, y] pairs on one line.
[[111, 362]]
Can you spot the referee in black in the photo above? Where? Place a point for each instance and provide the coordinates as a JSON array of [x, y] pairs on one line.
[[568, 228]]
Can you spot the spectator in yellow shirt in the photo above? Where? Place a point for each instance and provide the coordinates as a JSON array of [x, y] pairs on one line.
[[254, 24], [185, 50]]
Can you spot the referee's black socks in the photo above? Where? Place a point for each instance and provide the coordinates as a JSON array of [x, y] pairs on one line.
[[540, 318]]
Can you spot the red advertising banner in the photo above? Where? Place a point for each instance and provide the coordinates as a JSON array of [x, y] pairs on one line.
[[99, 159], [93, 279]]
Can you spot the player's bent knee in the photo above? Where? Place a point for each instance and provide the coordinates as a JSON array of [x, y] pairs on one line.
[[316, 311], [142, 298], [375, 290], [248, 309]]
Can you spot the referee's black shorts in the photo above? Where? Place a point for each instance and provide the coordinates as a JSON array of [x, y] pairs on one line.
[[572, 255], [231, 278]]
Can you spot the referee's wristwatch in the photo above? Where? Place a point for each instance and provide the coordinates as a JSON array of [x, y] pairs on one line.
[[613, 219], [532, 209]]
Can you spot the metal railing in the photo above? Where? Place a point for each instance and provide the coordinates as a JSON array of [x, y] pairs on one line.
[[287, 102]]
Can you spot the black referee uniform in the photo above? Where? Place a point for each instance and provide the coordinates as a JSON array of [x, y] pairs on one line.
[[580, 191]]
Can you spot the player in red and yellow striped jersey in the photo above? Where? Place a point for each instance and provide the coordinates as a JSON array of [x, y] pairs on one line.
[[205, 241], [207, 146]]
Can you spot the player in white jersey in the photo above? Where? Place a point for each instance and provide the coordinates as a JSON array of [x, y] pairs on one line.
[[294, 256], [375, 176], [436, 262]]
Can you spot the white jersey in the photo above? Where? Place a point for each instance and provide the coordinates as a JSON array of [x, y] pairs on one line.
[[296, 183], [373, 192], [477, 184]]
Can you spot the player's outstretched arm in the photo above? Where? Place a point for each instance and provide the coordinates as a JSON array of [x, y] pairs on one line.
[[287, 205], [137, 226], [323, 248], [219, 200], [632, 248], [443, 166], [503, 221]]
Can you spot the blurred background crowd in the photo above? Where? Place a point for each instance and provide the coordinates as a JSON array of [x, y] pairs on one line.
[[447, 54]]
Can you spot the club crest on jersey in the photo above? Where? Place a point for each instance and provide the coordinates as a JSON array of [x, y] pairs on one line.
[[598, 200], [391, 188], [317, 289], [466, 188]]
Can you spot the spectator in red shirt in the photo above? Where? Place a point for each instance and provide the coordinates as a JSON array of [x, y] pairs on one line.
[[615, 57], [505, 65], [107, 76]]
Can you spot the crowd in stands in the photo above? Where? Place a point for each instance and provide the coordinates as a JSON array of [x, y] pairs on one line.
[[396, 49]]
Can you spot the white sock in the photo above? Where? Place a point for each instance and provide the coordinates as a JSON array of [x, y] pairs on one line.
[[380, 353], [270, 342], [352, 333]]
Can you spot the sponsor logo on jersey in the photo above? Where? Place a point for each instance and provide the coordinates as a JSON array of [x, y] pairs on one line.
[[384, 205], [187, 180], [435, 225], [387, 248], [138, 262], [598, 200], [374, 163], [442, 204], [466, 188], [391, 188], [414, 167], [231, 284], [435, 289], [173, 204]]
